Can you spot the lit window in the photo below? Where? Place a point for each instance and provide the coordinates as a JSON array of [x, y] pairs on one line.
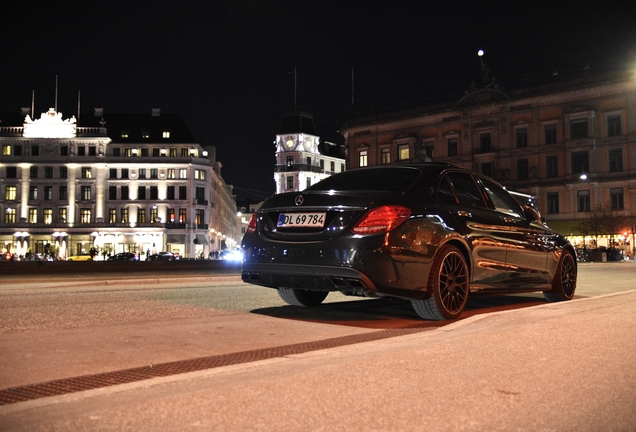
[[171, 173], [362, 158], [9, 216], [61, 215], [86, 193], [124, 133], [145, 133], [86, 173], [403, 152], [183, 173], [199, 174], [85, 216], [33, 215], [48, 216], [112, 215], [6, 150], [166, 134], [10, 193]]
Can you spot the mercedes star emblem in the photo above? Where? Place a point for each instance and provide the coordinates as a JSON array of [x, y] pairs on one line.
[[299, 200]]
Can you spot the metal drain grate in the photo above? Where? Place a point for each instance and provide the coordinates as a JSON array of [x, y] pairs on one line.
[[106, 379]]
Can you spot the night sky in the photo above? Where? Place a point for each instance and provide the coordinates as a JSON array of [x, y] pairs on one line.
[[225, 66]]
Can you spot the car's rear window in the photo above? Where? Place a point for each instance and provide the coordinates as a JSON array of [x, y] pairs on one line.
[[381, 179]]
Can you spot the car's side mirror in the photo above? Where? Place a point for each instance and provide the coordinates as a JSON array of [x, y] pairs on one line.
[[532, 213]]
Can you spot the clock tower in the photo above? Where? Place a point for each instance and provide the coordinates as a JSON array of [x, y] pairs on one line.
[[300, 157]]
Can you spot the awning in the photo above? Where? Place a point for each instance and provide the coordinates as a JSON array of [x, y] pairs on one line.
[[175, 238], [200, 239], [566, 227]]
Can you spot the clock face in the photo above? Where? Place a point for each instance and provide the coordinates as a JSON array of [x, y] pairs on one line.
[[308, 143], [289, 143]]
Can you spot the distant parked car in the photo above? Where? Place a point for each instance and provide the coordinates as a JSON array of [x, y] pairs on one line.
[[163, 256], [123, 256], [80, 257]]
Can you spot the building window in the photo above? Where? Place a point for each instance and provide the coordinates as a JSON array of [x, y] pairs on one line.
[[154, 173], [580, 163], [35, 150], [61, 214], [183, 173], [128, 152], [182, 215], [48, 216], [17, 150], [145, 133], [199, 174], [184, 152], [123, 215], [142, 173], [615, 158], [85, 216], [124, 173], [553, 202], [614, 125], [522, 169], [550, 133], [141, 192], [81, 150], [9, 216], [583, 200], [112, 173], [403, 152], [551, 166], [578, 128], [48, 172], [616, 199], [183, 192], [155, 152], [92, 150], [63, 193], [290, 182], [10, 193], [307, 182], [362, 158], [144, 152], [63, 172], [86, 193], [86, 173], [6, 150], [12, 172], [199, 216], [153, 214], [171, 173], [112, 192], [452, 146], [170, 215], [33, 215], [125, 193], [486, 169], [141, 215], [166, 134], [154, 193], [385, 155], [48, 193], [521, 137], [173, 152], [332, 166], [33, 172], [170, 193], [485, 144], [33, 192], [112, 216], [116, 151]]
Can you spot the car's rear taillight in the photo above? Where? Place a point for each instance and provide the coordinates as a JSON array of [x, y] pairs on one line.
[[251, 226], [382, 219]]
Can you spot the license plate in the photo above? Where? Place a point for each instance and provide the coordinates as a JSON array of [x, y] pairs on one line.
[[295, 220]]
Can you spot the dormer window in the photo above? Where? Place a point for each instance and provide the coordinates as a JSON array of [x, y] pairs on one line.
[[145, 133], [166, 134], [124, 133]]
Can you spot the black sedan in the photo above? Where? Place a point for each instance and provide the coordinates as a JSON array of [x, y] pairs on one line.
[[124, 256], [162, 256], [431, 233]]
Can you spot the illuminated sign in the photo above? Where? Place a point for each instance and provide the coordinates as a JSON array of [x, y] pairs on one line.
[[50, 125]]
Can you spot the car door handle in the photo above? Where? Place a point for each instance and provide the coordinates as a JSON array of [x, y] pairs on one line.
[[464, 213]]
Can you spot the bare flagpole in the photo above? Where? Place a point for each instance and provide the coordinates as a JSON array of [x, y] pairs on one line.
[[78, 106], [55, 93], [295, 80], [32, 103]]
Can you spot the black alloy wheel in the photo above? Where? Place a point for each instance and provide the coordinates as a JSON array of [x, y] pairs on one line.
[[449, 285], [564, 282], [298, 297]]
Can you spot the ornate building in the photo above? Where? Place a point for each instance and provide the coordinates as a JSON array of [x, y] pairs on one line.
[[117, 183], [301, 158], [571, 144]]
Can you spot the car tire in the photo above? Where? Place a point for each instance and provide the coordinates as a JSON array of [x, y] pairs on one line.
[[448, 285], [298, 297], [564, 282]]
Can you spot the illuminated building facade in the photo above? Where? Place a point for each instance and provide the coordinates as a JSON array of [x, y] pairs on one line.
[[117, 183], [301, 158], [570, 144]]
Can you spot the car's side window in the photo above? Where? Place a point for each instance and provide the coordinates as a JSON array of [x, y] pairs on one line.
[[466, 189], [501, 199], [445, 191]]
